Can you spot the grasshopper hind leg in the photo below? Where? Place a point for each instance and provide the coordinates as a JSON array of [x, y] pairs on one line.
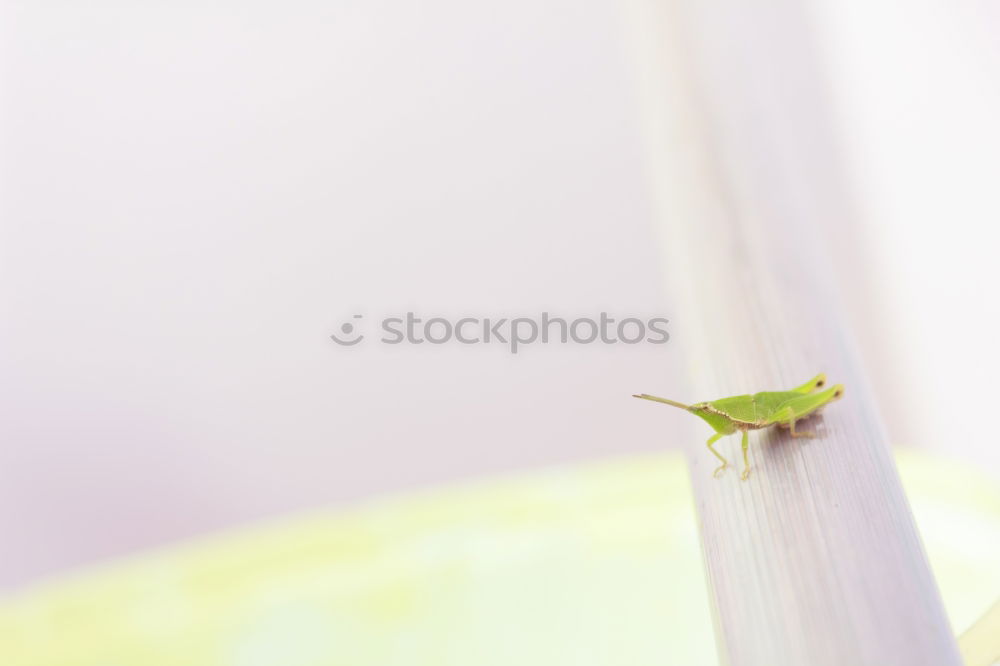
[[817, 382], [725, 463], [805, 433]]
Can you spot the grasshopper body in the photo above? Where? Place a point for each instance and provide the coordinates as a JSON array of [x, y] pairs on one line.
[[743, 413]]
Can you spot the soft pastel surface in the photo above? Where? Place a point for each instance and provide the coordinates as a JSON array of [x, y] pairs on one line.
[[594, 564]]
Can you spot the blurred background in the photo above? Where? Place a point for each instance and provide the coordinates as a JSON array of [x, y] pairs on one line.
[[194, 196]]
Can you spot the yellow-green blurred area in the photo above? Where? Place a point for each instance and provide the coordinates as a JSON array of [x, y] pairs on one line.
[[590, 564]]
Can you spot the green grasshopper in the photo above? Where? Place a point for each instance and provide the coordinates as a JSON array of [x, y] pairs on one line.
[[761, 410]]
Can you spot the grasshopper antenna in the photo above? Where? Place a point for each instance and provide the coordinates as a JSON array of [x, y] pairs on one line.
[[665, 401]]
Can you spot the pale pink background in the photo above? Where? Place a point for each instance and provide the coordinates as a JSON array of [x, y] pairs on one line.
[[195, 197]]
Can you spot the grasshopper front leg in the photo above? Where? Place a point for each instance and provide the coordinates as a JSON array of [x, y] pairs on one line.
[[725, 463]]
